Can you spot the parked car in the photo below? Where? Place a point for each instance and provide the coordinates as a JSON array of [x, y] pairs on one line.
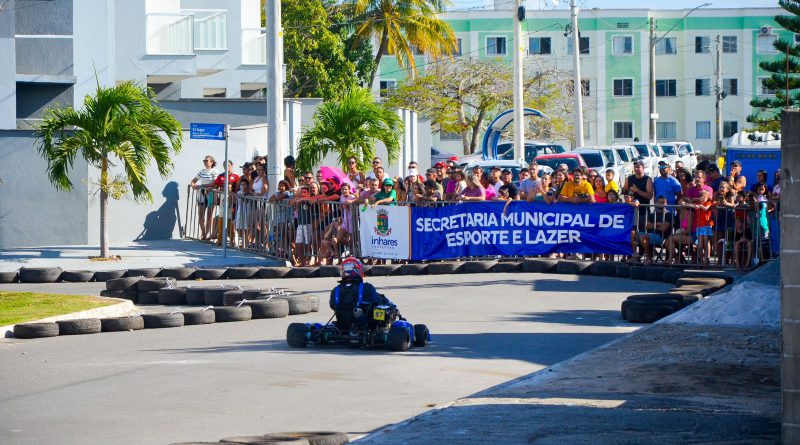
[[514, 166], [440, 156], [621, 168], [598, 161], [681, 151], [648, 153], [571, 159], [505, 150], [627, 154]]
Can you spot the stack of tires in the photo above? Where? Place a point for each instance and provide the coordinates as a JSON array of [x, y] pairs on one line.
[[690, 288]]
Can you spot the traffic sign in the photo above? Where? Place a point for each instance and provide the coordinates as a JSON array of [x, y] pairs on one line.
[[214, 132]]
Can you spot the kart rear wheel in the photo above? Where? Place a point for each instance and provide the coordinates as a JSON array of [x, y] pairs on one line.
[[297, 335], [420, 335], [399, 338]]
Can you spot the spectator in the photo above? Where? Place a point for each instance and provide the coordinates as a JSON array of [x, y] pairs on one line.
[[639, 184], [456, 186], [380, 174], [657, 229], [590, 175], [203, 183], [303, 236], [528, 186], [683, 236], [431, 192], [742, 244], [577, 190], [679, 166], [243, 210], [559, 179], [319, 177], [474, 190], [761, 204], [478, 170], [685, 178], [666, 185], [353, 173], [704, 225], [612, 196], [563, 168], [524, 174], [723, 216], [283, 228], [432, 175], [694, 192], [387, 195], [494, 183], [219, 183], [544, 192], [260, 183], [441, 175], [290, 171], [599, 189], [776, 190], [451, 163], [376, 163], [713, 176], [737, 180], [761, 179], [373, 187], [338, 232], [508, 190]]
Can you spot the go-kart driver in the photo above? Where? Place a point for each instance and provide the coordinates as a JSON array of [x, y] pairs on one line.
[[353, 295]]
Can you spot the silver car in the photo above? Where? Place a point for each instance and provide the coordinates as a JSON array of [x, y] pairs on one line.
[[597, 160]]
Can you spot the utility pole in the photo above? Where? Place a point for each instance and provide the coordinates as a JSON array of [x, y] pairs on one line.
[[519, 115], [653, 113], [719, 94], [577, 84], [274, 38]]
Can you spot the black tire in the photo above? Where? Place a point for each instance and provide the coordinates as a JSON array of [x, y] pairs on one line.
[[313, 437], [119, 324], [273, 272], [273, 308], [719, 283], [242, 273], [638, 273], [413, 269], [36, 330], [40, 274], [701, 274], [330, 271], [383, 270], [172, 296], [623, 271], [195, 296], [604, 269], [210, 274], [303, 272], [694, 290], [105, 275], [399, 339], [479, 266], [647, 313], [367, 270], [146, 272], [127, 283], [655, 273], [297, 335], [298, 304], [508, 267], [232, 297], [572, 267], [150, 297], [671, 275], [261, 440], [420, 335], [9, 277], [675, 303], [154, 284], [131, 295], [77, 276], [205, 316], [178, 273], [163, 320], [79, 326], [254, 294], [451, 267], [233, 313], [213, 296], [539, 265], [686, 300]]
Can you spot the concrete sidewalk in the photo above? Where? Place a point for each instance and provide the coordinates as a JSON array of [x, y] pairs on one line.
[[160, 253]]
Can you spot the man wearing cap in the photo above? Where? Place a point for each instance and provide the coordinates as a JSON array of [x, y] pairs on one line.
[[577, 190], [430, 175], [666, 185], [508, 190], [639, 184], [495, 183], [527, 187], [737, 180], [387, 195]]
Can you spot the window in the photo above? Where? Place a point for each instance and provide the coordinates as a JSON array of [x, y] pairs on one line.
[[622, 45], [667, 130], [702, 87], [539, 45], [667, 45], [729, 128], [496, 46], [623, 25], [730, 87], [764, 89], [702, 130], [623, 130], [702, 44], [458, 47], [387, 86], [729, 44], [584, 44], [623, 87], [214, 92], [765, 44], [666, 87]]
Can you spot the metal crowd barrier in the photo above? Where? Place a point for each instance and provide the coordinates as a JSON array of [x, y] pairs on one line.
[[327, 231]]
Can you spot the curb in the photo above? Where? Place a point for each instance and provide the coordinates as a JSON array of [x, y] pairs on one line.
[[124, 307]]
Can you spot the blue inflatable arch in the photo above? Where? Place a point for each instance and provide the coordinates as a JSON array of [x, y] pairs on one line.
[[495, 129]]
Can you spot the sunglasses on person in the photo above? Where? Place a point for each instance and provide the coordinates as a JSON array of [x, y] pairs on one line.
[[376, 162], [352, 162], [308, 178]]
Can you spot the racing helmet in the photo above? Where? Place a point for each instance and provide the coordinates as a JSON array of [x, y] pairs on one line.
[[352, 269]]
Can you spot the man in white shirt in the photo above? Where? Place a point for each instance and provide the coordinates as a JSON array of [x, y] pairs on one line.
[[528, 186]]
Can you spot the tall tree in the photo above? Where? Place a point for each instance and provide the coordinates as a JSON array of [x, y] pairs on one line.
[[350, 126], [402, 27], [784, 80], [120, 125]]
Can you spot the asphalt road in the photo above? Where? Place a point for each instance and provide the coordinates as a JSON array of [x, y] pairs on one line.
[[208, 382]]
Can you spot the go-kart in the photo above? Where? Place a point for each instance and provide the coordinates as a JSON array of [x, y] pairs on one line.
[[375, 326]]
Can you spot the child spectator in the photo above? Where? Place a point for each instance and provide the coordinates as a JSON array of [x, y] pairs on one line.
[[611, 184], [431, 192], [742, 244], [704, 224]]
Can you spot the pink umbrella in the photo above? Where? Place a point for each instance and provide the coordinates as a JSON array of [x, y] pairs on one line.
[[335, 172]]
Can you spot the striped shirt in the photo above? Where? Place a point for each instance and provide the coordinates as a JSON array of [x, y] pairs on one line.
[[206, 176]]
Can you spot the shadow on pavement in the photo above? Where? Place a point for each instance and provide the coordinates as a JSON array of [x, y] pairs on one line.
[[573, 317]]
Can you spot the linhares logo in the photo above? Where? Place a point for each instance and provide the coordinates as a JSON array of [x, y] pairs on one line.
[[382, 227]]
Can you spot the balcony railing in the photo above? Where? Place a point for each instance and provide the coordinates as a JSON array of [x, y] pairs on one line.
[[254, 46], [210, 29], [169, 34]]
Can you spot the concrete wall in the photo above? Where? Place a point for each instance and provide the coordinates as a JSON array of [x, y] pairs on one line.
[[32, 212]]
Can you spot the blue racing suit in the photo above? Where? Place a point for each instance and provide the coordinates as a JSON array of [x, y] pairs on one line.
[[352, 294]]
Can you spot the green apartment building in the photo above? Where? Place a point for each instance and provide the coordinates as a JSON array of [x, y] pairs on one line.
[[614, 50]]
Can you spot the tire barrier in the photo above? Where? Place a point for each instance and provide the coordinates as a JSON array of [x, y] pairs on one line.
[[154, 284], [539, 265], [508, 266], [383, 270], [273, 272], [203, 316], [226, 314], [36, 330], [178, 273], [105, 275], [40, 274], [172, 296], [572, 267], [273, 308], [210, 274], [77, 276], [80, 326], [479, 266], [9, 277], [242, 273], [165, 320], [413, 269], [146, 272], [303, 272], [119, 324], [445, 268], [149, 297]]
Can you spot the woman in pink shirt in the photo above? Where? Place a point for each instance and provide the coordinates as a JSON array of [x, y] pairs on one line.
[[474, 190]]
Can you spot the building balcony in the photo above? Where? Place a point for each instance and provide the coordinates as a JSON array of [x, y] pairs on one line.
[[254, 46]]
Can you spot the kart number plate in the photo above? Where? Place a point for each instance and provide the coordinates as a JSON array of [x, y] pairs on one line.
[[379, 314]]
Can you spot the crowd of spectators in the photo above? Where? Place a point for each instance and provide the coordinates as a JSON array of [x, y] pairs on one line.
[[685, 216]]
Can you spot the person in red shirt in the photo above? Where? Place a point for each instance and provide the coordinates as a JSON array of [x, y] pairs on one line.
[[704, 224], [233, 183]]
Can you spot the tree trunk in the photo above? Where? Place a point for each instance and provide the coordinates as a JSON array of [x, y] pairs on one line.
[[381, 50], [104, 209], [477, 129], [462, 120]]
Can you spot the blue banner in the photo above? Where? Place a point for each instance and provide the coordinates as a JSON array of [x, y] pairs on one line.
[[215, 132], [519, 229]]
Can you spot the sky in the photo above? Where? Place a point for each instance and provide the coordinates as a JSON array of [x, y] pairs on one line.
[[649, 4]]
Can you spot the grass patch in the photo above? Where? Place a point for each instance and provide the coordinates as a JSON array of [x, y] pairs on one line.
[[19, 307]]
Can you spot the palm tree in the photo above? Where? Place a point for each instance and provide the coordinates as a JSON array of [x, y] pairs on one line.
[[402, 27], [350, 126], [117, 125]]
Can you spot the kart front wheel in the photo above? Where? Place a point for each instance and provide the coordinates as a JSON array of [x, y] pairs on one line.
[[399, 338], [421, 334], [297, 335]]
